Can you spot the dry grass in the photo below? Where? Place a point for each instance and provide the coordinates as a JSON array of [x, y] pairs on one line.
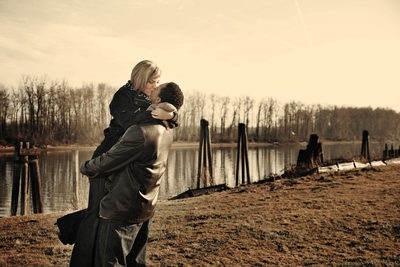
[[347, 218]]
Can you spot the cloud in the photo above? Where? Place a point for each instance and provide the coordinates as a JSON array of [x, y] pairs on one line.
[[11, 50]]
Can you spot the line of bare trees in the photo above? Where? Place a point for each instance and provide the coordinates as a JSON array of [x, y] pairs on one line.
[[269, 121], [52, 112]]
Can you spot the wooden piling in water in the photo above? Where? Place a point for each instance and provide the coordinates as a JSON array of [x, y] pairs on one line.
[[390, 153], [242, 154], [25, 184], [311, 157], [365, 146], [36, 184], [26, 175], [239, 149], [15, 188], [385, 153], [204, 154]]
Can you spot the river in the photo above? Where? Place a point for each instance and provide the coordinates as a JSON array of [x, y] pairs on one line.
[[65, 189]]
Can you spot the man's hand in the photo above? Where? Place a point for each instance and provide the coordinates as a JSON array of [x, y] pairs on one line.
[[161, 114]]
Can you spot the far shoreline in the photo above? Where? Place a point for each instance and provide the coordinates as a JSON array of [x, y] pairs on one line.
[[6, 150], [175, 145]]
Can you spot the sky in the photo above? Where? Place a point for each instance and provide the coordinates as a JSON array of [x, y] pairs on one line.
[[329, 52]]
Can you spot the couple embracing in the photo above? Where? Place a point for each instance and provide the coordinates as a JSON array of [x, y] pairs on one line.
[[125, 173]]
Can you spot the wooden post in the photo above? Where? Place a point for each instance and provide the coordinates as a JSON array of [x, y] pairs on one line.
[[36, 186], [391, 151], [239, 150], [311, 157], [25, 184], [365, 146], [208, 142], [16, 183], [247, 153], [205, 148], [385, 152], [200, 156], [242, 152]]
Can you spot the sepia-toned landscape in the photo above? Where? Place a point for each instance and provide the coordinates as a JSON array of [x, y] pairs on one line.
[[291, 91], [348, 218]]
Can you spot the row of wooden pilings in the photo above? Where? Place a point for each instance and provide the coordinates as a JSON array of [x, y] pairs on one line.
[[27, 184], [390, 153], [27, 181], [205, 158], [27, 175], [312, 157], [308, 158]]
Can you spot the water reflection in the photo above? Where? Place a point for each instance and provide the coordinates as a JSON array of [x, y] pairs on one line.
[[64, 188]]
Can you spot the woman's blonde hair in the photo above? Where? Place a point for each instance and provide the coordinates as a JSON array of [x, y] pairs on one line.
[[143, 72]]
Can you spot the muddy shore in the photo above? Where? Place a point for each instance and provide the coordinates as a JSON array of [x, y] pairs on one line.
[[343, 218]]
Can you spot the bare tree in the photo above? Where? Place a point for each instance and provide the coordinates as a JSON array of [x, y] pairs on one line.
[[28, 85], [40, 94], [101, 104], [15, 108], [258, 119], [214, 102], [54, 112], [224, 113], [248, 104], [4, 105]]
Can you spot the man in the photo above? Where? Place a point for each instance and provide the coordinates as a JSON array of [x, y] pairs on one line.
[[134, 167], [127, 107]]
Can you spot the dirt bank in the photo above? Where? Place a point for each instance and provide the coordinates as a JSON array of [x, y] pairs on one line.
[[346, 218]]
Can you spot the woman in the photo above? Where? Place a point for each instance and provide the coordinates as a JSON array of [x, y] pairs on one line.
[[128, 107], [130, 102]]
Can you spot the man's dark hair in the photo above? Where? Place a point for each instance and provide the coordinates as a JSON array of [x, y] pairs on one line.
[[172, 94]]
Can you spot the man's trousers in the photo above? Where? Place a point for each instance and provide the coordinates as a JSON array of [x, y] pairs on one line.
[[121, 244]]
